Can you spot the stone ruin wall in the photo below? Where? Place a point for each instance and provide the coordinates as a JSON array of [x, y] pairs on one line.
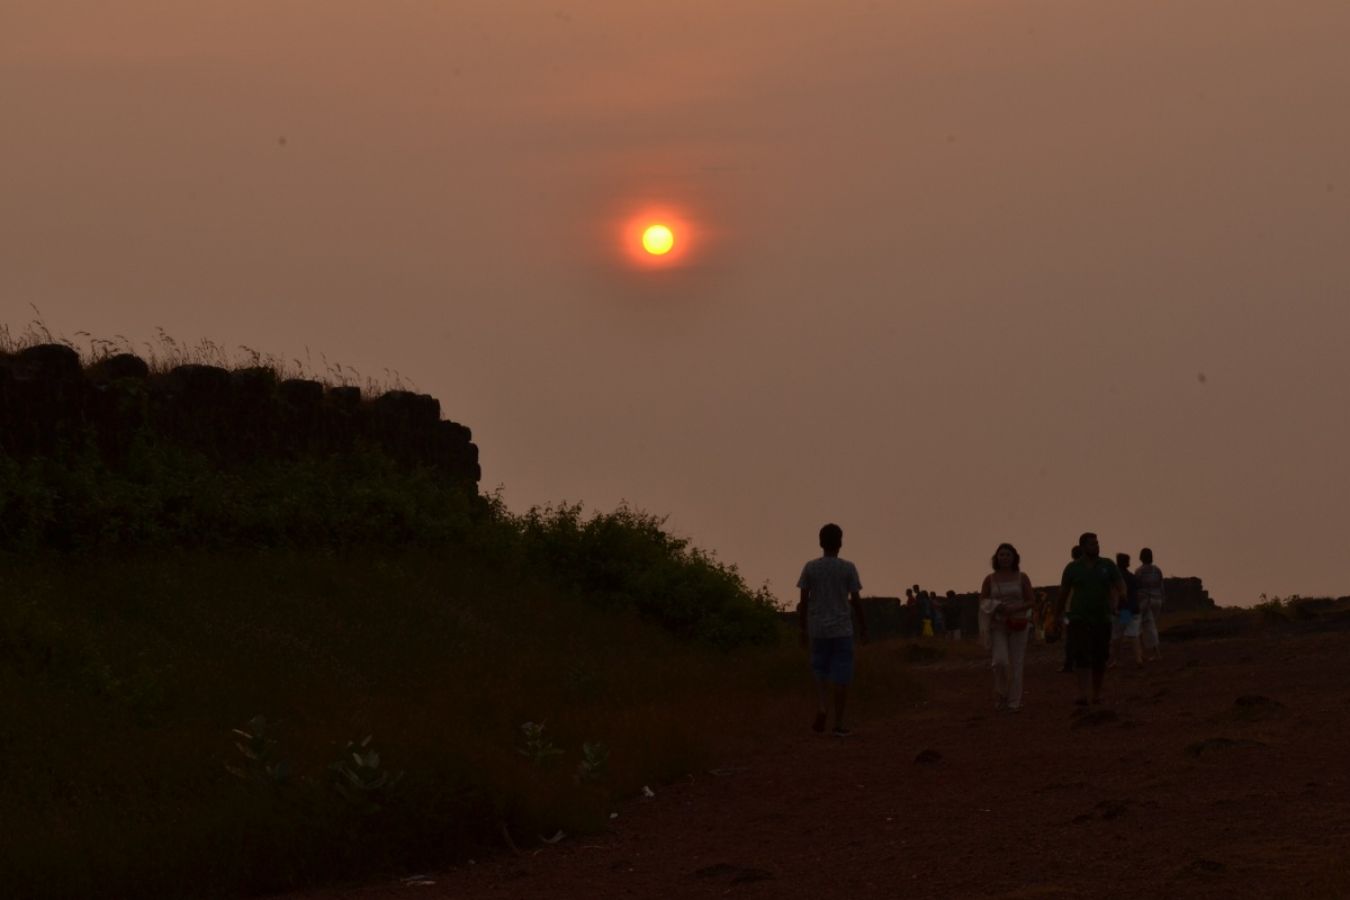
[[50, 403], [892, 617]]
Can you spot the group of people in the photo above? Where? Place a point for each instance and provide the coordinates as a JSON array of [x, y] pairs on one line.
[[936, 615], [1100, 603]]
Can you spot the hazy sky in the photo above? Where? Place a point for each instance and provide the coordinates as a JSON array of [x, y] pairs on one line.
[[954, 270]]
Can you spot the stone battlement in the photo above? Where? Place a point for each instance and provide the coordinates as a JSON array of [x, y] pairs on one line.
[[51, 404]]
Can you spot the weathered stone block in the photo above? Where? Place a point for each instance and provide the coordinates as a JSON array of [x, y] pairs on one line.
[[256, 384], [456, 432], [48, 362], [199, 383], [117, 367], [301, 393], [345, 398], [407, 408]]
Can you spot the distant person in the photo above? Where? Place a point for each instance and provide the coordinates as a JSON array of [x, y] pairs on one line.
[[1125, 626], [831, 599], [925, 614], [939, 618], [1094, 588], [1151, 592], [952, 615], [1075, 552], [1006, 603]]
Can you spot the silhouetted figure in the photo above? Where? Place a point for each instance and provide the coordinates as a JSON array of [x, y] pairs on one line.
[[935, 610], [930, 611], [1151, 592], [1075, 552], [1006, 602], [1125, 626], [951, 614], [911, 620], [831, 599], [1094, 588]]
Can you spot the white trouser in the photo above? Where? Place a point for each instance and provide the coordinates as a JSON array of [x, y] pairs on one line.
[[1010, 652], [1148, 624]]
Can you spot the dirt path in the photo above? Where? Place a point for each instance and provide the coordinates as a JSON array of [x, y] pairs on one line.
[[1177, 791]]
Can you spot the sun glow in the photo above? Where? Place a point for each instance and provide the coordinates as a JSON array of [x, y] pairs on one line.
[[658, 239]]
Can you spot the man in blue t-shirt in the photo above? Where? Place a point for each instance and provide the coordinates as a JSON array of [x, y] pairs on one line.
[[830, 600]]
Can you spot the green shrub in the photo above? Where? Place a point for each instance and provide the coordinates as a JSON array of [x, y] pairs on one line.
[[1273, 609], [170, 496], [165, 496], [626, 560]]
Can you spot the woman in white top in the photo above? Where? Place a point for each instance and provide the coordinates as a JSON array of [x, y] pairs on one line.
[[1006, 603]]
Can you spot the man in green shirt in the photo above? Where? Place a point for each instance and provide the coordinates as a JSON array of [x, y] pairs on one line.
[[1093, 588]]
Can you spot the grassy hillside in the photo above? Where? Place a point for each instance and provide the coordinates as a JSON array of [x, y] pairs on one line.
[[232, 673], [122, 679]]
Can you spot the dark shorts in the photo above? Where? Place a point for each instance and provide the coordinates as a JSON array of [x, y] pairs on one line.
[[1088, 644], [832, 659]]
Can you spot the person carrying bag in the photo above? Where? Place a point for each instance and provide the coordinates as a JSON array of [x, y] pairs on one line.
[[1006, 604]]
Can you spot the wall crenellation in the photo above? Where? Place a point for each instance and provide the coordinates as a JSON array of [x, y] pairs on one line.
[[49, 401]]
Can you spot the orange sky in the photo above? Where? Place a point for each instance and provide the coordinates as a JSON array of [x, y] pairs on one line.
[[959, 265]]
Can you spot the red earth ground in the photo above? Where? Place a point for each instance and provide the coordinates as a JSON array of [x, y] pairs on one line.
[[1173, 789]]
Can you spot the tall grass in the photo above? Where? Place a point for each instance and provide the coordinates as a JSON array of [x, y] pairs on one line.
[[162, 352]]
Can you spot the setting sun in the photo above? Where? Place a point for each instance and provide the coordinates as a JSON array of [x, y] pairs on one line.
[[657, 236], [658, 239]]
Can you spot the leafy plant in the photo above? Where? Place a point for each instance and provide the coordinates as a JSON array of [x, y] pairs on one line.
[[359, 778], [1273, 609], [594, 765], [258, 749], [538, 749]]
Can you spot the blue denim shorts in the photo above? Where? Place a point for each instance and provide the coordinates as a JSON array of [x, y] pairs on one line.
[[832, 659]]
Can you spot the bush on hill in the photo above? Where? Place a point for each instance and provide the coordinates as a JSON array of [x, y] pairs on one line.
[[626, 560], [168, 496]]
